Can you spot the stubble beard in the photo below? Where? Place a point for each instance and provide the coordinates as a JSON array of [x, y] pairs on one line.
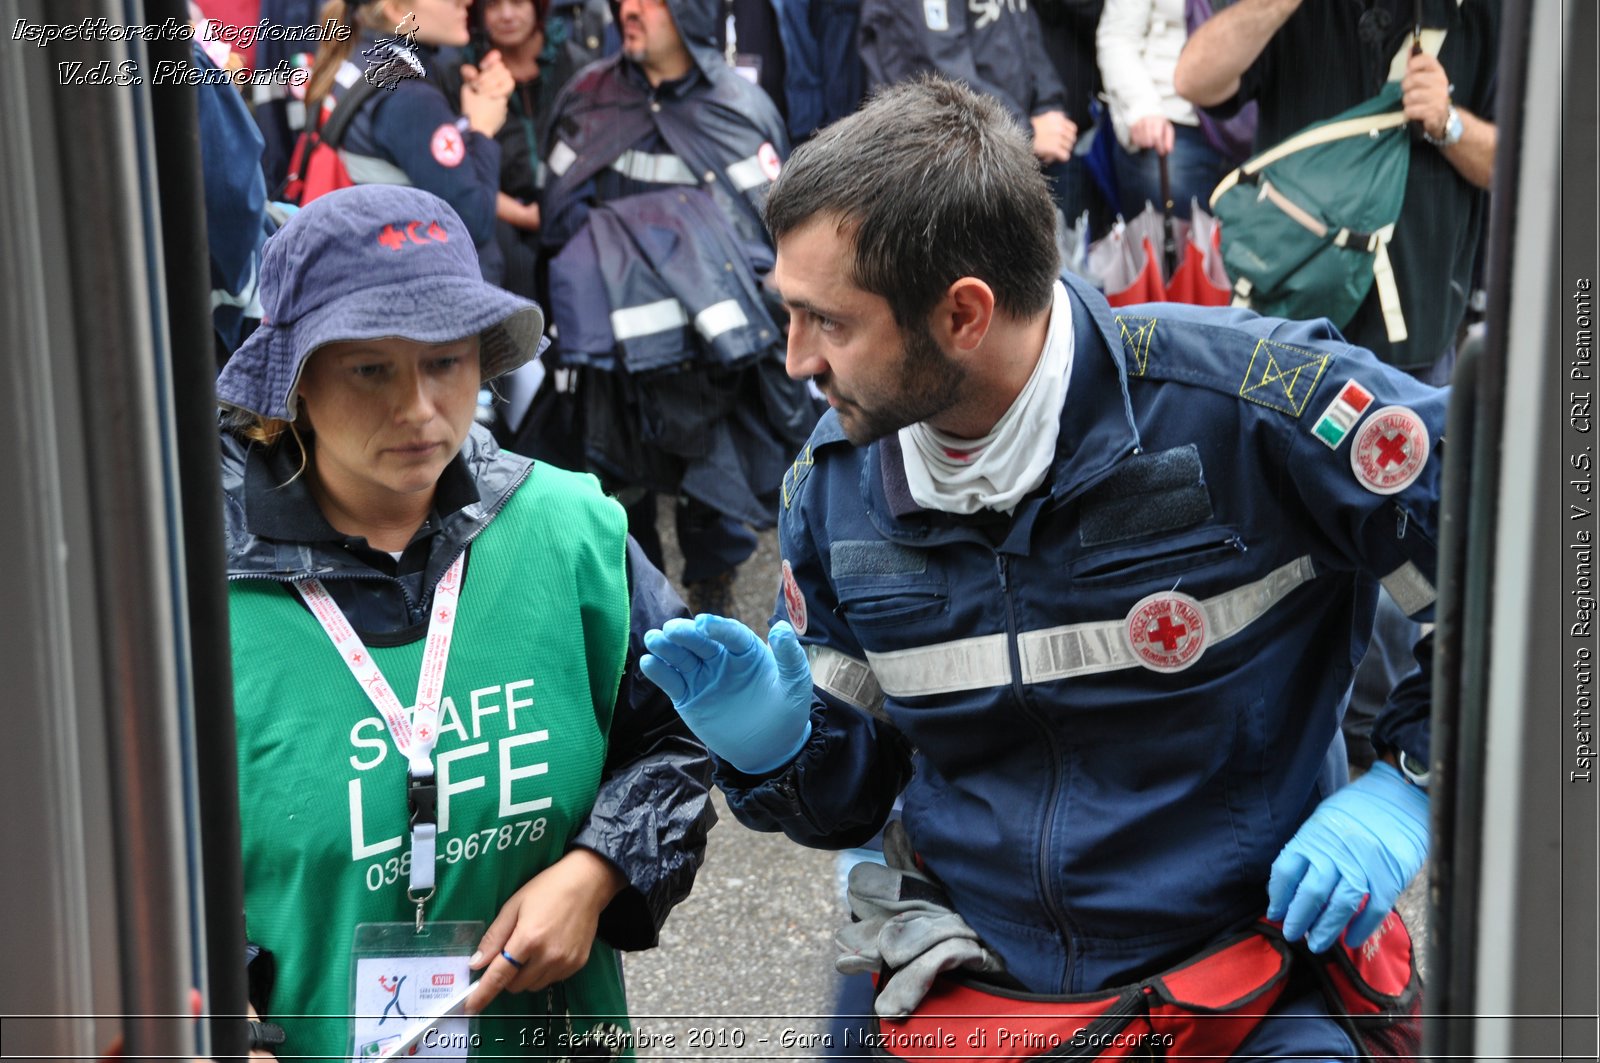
[[928, 384]]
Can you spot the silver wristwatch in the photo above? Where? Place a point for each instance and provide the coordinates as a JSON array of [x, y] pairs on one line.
[[1452, 131], [1415, 771]]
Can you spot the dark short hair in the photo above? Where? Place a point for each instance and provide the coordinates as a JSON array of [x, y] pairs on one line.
[[935, 183]]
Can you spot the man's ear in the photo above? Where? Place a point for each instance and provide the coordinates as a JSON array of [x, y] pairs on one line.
[[963, 317]]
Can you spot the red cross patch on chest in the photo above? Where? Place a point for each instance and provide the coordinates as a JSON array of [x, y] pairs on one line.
[[1390, 450], [1167, 631]]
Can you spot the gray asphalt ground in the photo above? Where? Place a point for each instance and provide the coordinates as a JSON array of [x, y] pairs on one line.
[[750, 954], [745, 965]]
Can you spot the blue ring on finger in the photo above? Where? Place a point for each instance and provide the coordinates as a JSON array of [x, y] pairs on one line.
[[512, 960]]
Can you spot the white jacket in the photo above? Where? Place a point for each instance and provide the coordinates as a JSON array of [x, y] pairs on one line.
[[1138, 44]]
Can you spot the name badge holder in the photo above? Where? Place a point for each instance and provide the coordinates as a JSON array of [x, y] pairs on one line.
[[408, 990], [408, 981]]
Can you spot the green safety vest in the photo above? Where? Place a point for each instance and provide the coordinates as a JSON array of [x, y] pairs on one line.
[[540, 642]]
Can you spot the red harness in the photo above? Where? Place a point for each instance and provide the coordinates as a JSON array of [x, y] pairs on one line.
[[1203, 1008]]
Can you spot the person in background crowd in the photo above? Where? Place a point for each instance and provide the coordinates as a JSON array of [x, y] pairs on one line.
[[373, 530], [516, 31], [280, 109], [1068, 28], [823, 78], [237, 13], [1088, 588], [407, 132], [236, 216], [1138, 44], [995, 49], [659, 158], [1280, 53]]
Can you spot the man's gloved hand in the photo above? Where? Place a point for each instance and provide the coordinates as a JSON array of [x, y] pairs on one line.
[[1369, 840], [748, 702], [905, 922]]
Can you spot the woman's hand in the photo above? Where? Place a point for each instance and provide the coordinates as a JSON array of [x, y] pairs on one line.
[[1053, 136], [548, 927], [485, 90], [517, 214], [1153, 132]]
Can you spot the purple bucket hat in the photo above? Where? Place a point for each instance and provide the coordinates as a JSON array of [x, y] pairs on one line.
[[364, 263]]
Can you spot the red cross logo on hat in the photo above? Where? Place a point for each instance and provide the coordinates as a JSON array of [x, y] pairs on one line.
[[447, 146], [1390, 450], [1167, 631]]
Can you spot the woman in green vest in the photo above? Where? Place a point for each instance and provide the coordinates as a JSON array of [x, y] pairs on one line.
[[457, 797]]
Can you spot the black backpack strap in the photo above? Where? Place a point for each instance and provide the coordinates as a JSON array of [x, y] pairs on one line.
[[344, 112], [330, 132]]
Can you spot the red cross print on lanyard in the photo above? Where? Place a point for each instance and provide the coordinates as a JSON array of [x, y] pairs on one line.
[[414, 733]]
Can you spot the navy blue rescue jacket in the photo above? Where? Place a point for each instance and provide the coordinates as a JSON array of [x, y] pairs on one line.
[[994, 46], [1111, 709], [411, 135], [711, 129]]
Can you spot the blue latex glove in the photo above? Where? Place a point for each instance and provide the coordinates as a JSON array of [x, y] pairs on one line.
[[1369, 840], [749, 702]]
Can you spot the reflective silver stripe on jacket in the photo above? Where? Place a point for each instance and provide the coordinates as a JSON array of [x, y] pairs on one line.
[[665, 314], [371, 170], [846, 678], [653, 169], [1063, 652], [718, 318], [561, 158], [1409, 588], [747, 174], [632, 322]]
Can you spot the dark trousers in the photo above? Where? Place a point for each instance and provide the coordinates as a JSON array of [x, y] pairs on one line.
[[711, 543], [1193, 170]]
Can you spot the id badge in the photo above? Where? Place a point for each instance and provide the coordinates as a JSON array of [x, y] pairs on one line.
[[408, 989]]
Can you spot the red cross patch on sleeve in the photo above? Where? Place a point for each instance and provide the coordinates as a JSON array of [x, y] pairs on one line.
[[447, 146], [1390, 450]]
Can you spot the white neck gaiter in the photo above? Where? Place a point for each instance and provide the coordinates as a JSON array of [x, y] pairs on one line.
[[995, 472]]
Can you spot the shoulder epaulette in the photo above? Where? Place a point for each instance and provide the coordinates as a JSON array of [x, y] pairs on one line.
[[1279, 373], [828, 432]]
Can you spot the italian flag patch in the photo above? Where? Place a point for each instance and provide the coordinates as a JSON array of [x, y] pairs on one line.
[[1342, 414]]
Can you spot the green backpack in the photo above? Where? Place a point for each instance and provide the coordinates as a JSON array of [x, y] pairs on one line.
[[1306, 225]]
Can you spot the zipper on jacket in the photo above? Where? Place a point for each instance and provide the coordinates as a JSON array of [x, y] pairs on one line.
[[493, 512], [1099, 1033], [1044, 865]]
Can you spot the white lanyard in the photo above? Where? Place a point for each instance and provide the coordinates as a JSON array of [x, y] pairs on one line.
[[416, 733]]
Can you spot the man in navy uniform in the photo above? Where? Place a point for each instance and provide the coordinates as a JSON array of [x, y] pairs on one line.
[[1089, 586], [659, 159]]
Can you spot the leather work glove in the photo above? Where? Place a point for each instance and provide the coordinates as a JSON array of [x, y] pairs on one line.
[[749, 702], [905, 922], [1368, 841]]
